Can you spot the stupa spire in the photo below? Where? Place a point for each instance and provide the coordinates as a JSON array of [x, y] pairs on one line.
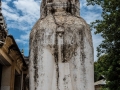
[[3, 26], [0, 6]]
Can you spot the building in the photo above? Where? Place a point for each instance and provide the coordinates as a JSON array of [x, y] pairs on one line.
[[100, 83], [13, 68]]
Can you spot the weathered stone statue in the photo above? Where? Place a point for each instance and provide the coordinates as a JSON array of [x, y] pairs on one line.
[[61, 49]]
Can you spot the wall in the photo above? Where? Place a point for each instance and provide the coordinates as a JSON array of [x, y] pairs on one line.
[[6, 76], [0, 75]]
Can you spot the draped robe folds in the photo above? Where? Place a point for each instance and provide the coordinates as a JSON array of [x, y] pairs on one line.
[[61, 54]]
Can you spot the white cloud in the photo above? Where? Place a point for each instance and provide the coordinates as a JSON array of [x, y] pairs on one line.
[[83, 4], [24, 14], [21, 41], [30, 8], [7, 8], [25, 36], [8, 0], [10, 16], [91, 16]]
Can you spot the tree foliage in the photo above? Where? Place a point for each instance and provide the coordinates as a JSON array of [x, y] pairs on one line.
[[101, 67], [109, 28]]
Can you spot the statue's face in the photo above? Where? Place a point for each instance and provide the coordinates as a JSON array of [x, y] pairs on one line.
[[63, 1]]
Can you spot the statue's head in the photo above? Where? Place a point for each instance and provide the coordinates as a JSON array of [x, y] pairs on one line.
[[49, 1], [52, 6]]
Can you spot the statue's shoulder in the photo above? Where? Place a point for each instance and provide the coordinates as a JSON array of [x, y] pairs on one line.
[[76, 20]]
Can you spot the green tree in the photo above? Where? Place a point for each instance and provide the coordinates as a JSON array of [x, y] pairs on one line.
[[101, 67], [109, 28]]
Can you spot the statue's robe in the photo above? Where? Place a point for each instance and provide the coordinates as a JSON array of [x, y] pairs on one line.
[[61, 54]]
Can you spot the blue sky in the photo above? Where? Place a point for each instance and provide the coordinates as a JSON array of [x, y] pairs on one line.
[[21, 15]]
